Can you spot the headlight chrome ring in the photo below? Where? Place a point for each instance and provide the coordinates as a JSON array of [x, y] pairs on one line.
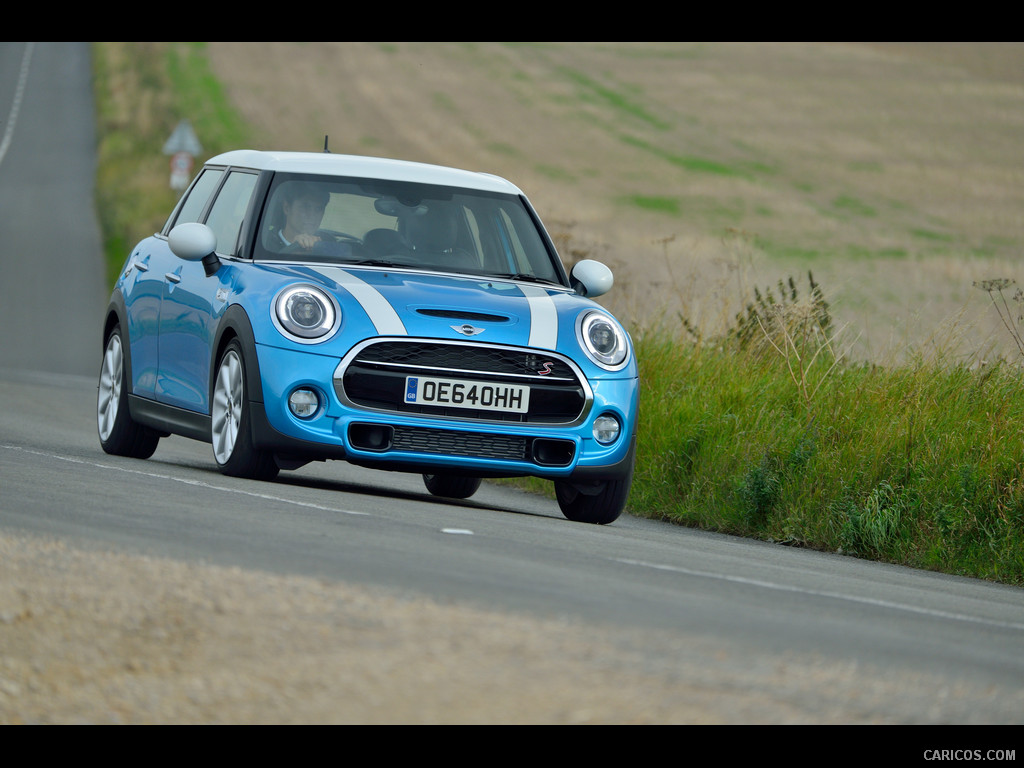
[[306, 314], [603, 340]]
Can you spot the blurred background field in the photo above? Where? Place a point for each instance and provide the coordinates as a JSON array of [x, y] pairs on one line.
[[893, 171]]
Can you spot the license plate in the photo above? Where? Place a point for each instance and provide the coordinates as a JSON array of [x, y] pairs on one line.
[[459, 393]]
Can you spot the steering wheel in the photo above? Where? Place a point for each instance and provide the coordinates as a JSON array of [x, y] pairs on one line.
[[344, 237], [325, 236]]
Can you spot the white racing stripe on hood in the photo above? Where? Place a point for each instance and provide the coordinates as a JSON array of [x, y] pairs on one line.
[[382, 314], [543, 317]]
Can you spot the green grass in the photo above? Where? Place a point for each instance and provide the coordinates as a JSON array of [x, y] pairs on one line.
[[693, 164], [761, 432], [591, 90], [921, 465], [669, 205], [853, 206]]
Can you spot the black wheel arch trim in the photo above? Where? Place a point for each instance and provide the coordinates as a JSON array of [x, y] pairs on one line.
[[117, 314], [234, 324]]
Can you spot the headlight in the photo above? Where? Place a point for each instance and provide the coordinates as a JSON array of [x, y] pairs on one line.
[[603, 340], [306, 313]]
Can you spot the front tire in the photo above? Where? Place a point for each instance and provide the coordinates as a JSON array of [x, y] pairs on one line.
[[451, 486], [600, 505], [230, 432], [120, 435]]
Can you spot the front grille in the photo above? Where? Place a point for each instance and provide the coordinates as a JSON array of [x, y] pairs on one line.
[[383, 438], [482, 445], [462, 357], [374, 377]]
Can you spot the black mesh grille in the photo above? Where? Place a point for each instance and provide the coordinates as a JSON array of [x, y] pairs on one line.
[[470, 358], [477, 444]]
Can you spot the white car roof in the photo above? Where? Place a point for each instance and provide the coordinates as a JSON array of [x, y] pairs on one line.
[[329, 164]]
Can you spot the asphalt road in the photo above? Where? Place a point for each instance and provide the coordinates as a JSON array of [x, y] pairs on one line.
[[501, 550], [53, 286]]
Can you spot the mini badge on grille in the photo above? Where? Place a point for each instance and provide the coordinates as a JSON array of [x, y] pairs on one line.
[[467, 329]]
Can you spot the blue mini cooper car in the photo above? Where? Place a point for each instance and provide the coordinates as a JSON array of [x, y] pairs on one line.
[[310, 306]]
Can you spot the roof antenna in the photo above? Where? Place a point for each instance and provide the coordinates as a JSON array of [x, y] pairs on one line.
[[326, 150]]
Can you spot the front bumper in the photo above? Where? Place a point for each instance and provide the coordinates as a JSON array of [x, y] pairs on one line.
[[424, 443]]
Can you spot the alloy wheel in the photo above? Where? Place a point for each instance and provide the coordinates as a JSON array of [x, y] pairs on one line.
[[228, 396]]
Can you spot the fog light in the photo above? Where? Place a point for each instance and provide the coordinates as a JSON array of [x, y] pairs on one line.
[[304, 403], [606, 429]]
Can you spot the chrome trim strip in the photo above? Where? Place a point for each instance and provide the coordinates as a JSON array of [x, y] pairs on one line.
[[470, 371]]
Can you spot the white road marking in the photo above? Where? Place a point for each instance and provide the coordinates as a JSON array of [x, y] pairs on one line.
[[819, 593], [185, 481], [12, 117]]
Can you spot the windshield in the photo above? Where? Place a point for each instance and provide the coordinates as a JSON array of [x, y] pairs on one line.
[[363, 221]]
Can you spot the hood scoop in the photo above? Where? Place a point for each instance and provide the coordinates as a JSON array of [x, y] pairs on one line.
[[463, 315]]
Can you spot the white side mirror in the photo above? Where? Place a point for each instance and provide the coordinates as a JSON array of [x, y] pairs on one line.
[[192, 242], [195, 242], [591, 278]]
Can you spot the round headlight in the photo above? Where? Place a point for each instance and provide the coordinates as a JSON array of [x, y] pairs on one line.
[[306, 313], [603, 340]]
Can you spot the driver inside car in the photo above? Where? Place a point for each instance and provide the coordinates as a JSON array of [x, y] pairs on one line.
[[302, 210]]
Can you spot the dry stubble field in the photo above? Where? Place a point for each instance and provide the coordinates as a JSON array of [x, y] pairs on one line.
[[893, 171]]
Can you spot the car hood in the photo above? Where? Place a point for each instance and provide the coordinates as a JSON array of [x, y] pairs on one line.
[[406, 303]]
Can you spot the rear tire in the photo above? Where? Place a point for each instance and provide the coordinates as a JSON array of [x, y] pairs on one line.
[[451, 486], [119, 434], [230, 432]]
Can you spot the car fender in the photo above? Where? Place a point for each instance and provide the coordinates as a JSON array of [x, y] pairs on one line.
[[235, 324]]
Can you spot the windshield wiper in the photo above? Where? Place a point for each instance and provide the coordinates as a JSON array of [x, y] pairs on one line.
[[527, 277], [377, 263]]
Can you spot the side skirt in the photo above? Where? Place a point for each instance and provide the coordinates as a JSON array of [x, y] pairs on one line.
[[169, 419]]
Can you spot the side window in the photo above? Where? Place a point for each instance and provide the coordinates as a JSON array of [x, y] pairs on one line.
[[192, 208], [229, 209]]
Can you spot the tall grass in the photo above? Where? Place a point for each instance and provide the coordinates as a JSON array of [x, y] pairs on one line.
[[780, 439]]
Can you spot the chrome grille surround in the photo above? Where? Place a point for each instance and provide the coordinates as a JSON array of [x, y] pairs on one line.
[[389, 359]]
